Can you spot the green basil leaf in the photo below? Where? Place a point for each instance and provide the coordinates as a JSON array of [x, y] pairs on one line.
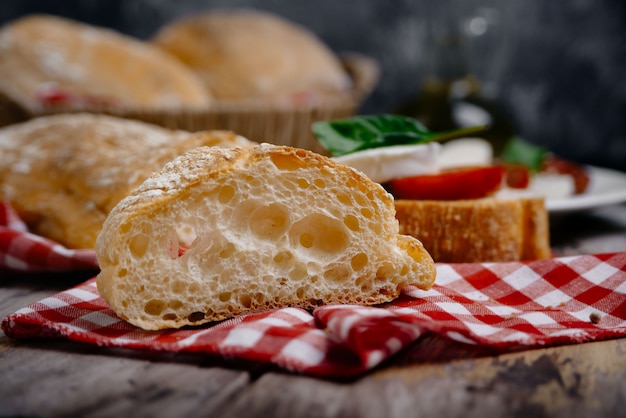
[[521, 152], [357, 133]]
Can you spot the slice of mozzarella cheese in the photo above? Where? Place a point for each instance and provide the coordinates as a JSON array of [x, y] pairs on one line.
[[465, 152], [398, 161], [552, 185]]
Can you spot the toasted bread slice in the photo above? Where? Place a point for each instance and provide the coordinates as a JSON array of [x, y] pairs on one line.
[[222, 232], [480, 230]]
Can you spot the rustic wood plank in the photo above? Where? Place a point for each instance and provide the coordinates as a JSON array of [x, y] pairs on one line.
[[54, 379], [566, 381]]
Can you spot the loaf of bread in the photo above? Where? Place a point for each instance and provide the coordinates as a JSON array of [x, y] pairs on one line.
[[478, 230], [48, 61], [247, 54], [64, 173], [222, 232]]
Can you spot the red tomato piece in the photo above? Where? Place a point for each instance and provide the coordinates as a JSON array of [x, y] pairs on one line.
[[558, 165], [517, 176], [454, 184]]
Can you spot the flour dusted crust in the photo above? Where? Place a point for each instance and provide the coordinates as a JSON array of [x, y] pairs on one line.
[[40, 53], [243, 54], [222, 232], [64, 173], [479, 230]]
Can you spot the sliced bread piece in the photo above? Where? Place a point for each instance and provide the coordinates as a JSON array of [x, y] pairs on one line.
[[478, 230], [222, 232]]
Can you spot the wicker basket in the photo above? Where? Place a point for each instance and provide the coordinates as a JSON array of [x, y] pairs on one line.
[[256, 121]]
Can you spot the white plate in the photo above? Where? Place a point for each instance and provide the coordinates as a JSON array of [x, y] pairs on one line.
[[606, 187]]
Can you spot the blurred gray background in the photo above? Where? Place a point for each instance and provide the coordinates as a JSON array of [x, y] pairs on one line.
[[558, 68]]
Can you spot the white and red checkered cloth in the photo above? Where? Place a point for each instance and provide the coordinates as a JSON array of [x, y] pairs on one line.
[[503, 305], [23, 251]]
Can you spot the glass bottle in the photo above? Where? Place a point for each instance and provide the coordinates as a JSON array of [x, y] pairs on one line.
[[450, 95]]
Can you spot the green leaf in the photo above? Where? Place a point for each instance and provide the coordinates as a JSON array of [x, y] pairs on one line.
[[344, 136], [521, 152]]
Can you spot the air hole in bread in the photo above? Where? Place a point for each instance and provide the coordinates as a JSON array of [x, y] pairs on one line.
[[362, 200], [259, 298], [307, 240], [303, 183], [228, 250], [299, 272], [384, 291], [351, 222], [224, 296], [384, 271], [320, 234], [344, 199], [367, 213], [319, 183], [169, 317], [245, 301], [283, 258], [138, 245], [125, 227], [154, 307], [175, 304], [287, 162], [179, 287], [226, 194], [269, 222], [122, 273], [338, 273], [195, 316], [358, 261]]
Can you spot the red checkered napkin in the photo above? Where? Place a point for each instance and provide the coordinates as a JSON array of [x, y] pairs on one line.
[[547, 302], [22, 251]]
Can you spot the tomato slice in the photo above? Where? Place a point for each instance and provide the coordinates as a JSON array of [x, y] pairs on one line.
[[517, 175], [453, 184]]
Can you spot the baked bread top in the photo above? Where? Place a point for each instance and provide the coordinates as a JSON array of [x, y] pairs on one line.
[[49, 61], [221, 232], [64, 173], [246, 54]]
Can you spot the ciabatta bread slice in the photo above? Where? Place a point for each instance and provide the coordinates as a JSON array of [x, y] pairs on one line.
[[478, 230], [222, 232], [64, 173]]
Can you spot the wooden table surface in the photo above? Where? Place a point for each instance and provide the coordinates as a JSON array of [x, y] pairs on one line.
[[432, 378]]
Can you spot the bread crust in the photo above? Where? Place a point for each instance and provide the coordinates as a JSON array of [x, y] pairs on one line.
[[245, 54], [479, 230], [91, 65], [222, 232], [64, 173]]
